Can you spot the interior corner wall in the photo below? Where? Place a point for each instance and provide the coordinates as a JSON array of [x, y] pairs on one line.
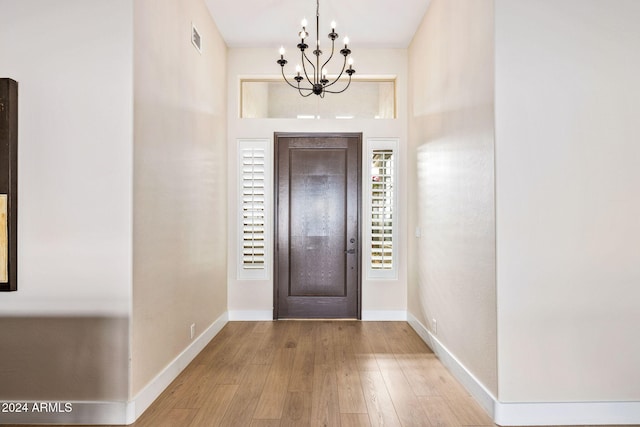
[[451, 177], [568, 230], [64, 332], [180, 198]]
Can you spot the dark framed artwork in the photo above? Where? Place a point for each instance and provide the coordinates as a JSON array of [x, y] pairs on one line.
[[8, 184]]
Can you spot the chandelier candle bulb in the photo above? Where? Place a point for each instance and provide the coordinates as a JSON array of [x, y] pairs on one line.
[[281, 61], [298, 78], [333, 26], [346, 42]]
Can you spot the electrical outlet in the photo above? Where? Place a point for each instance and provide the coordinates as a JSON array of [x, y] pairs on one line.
[[434, 322], [193, 330]]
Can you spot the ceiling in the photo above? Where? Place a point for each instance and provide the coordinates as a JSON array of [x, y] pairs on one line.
[[272, 23]]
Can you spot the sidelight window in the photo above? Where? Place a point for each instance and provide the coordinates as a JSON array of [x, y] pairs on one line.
[[252, 209], [382, 208]]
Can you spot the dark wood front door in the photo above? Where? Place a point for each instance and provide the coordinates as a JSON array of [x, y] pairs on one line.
[[317, 257]]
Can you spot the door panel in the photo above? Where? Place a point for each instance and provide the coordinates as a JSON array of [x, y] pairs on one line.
[[317, 228], [317, 223]]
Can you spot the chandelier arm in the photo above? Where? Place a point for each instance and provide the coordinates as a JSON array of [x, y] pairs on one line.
[[333, 42], [304, 57], [300, 89], [340, 75], [340, 91], [289, 83]]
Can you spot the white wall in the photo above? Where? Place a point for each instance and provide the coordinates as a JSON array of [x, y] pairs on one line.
[[83, 263], [179, 183], [64, 333], [255, 298], [72, 60], [451, 180], [568, 228]]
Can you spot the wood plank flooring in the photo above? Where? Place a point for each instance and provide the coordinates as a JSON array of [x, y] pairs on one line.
[[315, 373]]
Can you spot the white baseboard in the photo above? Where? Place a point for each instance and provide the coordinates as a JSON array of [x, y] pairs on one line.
[[250, 315], [384, 315], [367, 315], [534, 413], [567, 413], [468, 380], [151, 391]]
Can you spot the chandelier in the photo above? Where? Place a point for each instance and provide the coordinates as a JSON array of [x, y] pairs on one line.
[[311, 72]]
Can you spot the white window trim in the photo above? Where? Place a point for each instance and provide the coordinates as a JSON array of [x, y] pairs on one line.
[[261, 273], [380, 144]]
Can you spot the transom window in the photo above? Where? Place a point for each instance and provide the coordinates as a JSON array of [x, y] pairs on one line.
[[274, 99]]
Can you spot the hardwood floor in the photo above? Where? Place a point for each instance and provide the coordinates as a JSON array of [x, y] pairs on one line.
[[315, 373]]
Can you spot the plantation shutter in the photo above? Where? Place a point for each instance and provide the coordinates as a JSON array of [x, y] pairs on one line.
[[382, 209], [253, 207]]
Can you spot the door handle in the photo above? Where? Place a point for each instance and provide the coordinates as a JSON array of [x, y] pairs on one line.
[[350, 251]]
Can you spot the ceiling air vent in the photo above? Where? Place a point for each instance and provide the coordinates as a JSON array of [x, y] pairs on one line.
[[195, 38]]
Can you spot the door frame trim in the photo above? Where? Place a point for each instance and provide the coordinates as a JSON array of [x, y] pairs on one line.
[[276, 136]]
